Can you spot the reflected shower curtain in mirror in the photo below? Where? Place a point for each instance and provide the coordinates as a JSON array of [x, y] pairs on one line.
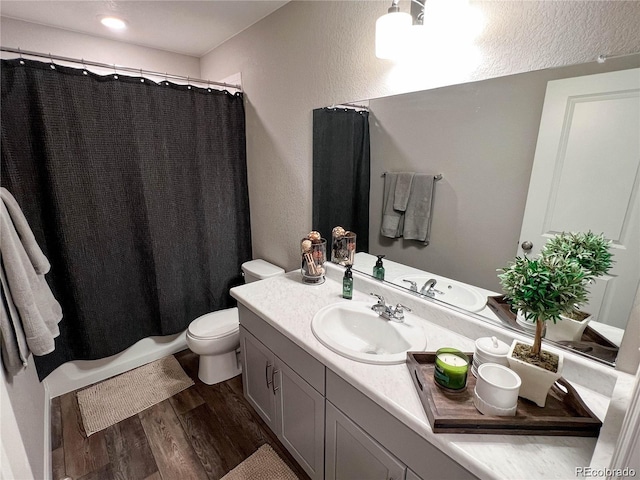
[[136, 192], [341, 172]]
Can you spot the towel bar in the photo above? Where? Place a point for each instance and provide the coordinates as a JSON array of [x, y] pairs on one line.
[[436, 177]]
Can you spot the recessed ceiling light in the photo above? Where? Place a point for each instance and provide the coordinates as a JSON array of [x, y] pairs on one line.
[[114, 23]]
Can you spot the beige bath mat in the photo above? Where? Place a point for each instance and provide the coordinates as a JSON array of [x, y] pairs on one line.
[[117, 398], [264, 464]]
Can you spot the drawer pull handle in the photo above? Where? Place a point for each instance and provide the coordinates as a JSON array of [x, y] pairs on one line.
[[273, 381], [266, 374]]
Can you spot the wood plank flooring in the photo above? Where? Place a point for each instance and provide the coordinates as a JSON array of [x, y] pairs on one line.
[[201, 433]]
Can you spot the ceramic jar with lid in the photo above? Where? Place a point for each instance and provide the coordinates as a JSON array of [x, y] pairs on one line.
[[489, 350]]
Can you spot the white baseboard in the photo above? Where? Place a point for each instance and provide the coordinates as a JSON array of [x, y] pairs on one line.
[[48, 463]]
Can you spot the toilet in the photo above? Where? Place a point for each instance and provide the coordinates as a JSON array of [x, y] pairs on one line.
[[215, 336]]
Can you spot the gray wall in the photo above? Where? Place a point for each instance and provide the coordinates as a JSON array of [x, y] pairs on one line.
[[481, 137], [310, 54]]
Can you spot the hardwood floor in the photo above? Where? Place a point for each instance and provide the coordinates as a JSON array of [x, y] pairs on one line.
[[200, 433]]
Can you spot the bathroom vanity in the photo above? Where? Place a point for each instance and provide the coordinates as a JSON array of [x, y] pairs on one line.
[[342, 418]]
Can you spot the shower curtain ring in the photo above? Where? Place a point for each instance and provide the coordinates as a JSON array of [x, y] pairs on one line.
[[166, 81], [84, 67], [21, 59], [208, 85], [115, 72], [53, 67], [189, 83], [141, 77]]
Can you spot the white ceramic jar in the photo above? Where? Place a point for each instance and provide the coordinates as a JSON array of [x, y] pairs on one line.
[[497, 388], [489, 350]]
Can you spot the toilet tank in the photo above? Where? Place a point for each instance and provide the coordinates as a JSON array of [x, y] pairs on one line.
[[255, 270]]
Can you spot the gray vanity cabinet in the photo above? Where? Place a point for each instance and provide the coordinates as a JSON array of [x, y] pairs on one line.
[[333, 430], [352, 453], [293, 409], [258, 364]]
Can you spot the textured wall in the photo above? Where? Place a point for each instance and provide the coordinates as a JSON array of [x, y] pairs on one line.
[[310, 54], [39, 38]]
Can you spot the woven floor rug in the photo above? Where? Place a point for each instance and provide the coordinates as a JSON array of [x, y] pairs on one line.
[[264, 464], [117, 398]]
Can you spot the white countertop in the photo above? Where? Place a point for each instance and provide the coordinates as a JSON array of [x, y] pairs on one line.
[[288, 305]]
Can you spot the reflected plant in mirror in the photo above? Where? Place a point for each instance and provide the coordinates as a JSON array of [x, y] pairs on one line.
[[514, 172]]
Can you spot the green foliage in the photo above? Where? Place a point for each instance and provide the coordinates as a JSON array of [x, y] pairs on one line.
[[591, 251], [544, 288]]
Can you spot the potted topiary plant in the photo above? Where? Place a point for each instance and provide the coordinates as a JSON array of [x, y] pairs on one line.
[[592, 253], [542, 289]]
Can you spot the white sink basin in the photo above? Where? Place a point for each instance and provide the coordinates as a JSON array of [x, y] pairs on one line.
[[353, 330], [454, 293]]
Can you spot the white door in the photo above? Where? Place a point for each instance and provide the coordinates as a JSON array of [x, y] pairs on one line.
[[585, 177]]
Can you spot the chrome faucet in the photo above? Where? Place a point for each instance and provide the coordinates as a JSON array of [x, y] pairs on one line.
[[429, 289], [389, 312]]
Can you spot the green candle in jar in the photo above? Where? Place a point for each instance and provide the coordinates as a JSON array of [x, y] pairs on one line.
[[451, 368]]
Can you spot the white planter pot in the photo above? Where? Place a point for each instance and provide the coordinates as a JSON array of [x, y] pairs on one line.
[[527, 325], [536, 381], [566, 329]]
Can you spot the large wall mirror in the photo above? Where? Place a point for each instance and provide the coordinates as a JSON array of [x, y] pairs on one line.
[[483, 138]]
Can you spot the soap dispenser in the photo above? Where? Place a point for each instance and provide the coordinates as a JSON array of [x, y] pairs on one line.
[[378, 269], [347, 284]]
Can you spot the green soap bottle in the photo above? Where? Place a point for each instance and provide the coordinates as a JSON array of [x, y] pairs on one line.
[[378, 269], [347, 284]]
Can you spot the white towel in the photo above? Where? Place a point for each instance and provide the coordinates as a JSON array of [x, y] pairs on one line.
[[417, 221]]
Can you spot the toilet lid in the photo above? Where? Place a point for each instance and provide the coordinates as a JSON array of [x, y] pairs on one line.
[[215, 324]]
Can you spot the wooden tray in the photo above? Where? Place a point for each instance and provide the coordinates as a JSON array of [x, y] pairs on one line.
[[564, 413], [591, 343]]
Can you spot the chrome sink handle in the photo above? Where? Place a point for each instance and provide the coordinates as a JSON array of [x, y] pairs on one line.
[[381, 307], [381, 300], [400, 309], [397, 312], [412, 285]]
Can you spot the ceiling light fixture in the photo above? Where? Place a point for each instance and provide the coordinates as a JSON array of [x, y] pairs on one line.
[[113, 23]]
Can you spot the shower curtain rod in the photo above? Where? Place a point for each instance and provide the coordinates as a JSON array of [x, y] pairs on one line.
[[117, 68]]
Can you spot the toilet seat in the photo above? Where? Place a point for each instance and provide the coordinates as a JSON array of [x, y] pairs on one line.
[[218, 324]]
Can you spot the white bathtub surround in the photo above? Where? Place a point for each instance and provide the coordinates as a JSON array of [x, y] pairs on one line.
[[71, 376], [289, 306]]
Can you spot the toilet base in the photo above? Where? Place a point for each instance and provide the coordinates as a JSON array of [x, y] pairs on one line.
[[218, 368]]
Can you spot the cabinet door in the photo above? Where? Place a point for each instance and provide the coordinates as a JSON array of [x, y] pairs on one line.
[[258, 364], [351, 453], [300, 414]]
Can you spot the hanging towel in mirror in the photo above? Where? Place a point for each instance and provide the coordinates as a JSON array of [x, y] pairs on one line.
[[417, 221], [402, 191], [392, 220]]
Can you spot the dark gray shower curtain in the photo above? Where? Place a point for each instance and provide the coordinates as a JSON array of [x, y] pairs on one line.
[[136, 192], [341, 172]]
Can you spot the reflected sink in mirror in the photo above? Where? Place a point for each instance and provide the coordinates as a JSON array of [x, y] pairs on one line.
[[356, 332], [447, 291]]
